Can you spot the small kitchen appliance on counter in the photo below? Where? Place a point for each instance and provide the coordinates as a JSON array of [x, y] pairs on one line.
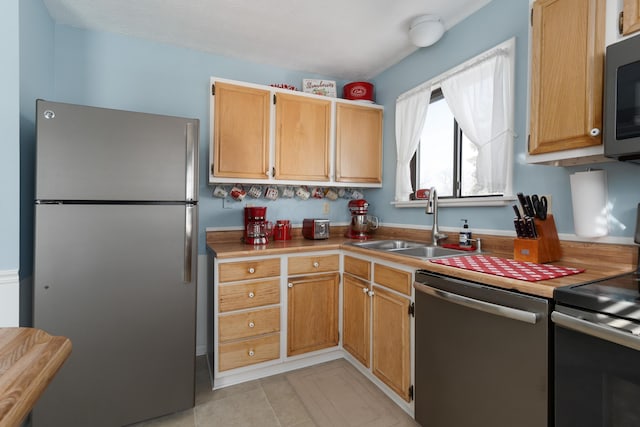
[[315, 228], [361, 223], [256, 227]]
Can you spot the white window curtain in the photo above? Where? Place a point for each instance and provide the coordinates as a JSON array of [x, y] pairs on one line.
[[411, 112], [480, 98]]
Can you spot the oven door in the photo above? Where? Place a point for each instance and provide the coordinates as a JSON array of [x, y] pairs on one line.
[[597, 370]]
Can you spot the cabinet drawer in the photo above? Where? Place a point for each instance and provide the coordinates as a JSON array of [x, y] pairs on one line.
[[357, 267], [248, 324], [313, 264], [247, 352], [242, 270], [248, 295], [392, 278]]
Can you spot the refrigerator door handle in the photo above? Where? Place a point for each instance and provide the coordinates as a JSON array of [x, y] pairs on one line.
[[188, 243], [191, 163]]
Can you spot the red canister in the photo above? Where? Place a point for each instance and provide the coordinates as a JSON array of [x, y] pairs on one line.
[[282, 230], [358, 91]]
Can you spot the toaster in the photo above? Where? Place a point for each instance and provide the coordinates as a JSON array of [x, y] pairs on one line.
[[315, 228]]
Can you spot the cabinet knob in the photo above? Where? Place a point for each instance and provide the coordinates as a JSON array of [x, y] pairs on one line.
[[365, 290], [290, 285], [251, 270], [266, 173], [252, 325], [595, 132], [371, 293], [251, 353], [251, 295], [316, 264]]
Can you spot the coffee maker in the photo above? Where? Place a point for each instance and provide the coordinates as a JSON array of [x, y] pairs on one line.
[[255, 225], [361, 223]]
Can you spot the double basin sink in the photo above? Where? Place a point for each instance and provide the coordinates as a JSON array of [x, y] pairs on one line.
[[411, 249]]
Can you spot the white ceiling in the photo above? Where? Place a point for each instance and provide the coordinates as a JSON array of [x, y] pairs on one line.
[[343, 39]]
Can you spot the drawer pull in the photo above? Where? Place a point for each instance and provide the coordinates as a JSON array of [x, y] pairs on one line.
[[251, 295], [251, 353], [251, 270], [252, 325], [316, 264], [371, 293], [365, 290], [290, 285]]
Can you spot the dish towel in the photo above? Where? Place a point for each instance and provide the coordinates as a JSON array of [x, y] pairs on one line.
[[529, 271]]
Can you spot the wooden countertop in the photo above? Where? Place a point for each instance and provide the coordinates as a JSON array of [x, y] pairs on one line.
[[624, 257], [29, 359]]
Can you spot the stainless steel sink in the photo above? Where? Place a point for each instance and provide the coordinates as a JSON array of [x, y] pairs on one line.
[[410, 248], [430, 252], [388, 245]]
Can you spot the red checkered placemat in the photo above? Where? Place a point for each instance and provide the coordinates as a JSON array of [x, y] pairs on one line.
[[529, 271]]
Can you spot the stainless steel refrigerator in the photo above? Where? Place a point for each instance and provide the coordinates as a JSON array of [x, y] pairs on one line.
[[115, 262]]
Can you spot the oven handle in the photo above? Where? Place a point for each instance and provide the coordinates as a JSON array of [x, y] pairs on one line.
[[487, 307], [596, 330]]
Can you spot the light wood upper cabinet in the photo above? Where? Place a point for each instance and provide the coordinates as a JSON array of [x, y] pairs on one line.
[[241, 131], [630, 17], [358, 143], [312, 315], [302, 138], [567, 65]]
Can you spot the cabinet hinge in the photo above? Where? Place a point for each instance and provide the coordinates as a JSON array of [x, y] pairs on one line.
[[411, 392], [213, 90], [621, 22], [412, 309], [531, 17], [274, 99], [529, 143]]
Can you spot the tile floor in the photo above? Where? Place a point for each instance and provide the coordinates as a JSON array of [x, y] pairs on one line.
[[331, 394]]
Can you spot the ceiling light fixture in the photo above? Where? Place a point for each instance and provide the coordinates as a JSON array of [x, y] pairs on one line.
[[425, 30]]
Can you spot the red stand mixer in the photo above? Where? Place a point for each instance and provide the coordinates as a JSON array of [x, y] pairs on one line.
[[361, 223]]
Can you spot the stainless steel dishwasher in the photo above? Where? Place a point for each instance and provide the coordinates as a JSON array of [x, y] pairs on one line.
[[482, 355]]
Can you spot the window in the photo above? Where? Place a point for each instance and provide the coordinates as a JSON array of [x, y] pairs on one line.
[[445, 157], [469, 165]]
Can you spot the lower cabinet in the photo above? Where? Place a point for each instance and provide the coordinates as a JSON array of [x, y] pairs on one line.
[[377, 321]]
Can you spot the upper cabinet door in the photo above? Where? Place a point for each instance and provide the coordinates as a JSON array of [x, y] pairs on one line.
[[358, 143], [630, 17], [241, 132], [302, 138], [567, 61]]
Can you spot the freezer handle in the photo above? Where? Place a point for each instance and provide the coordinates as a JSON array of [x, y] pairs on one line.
[[188, 243], [191, 163], [487, 307]]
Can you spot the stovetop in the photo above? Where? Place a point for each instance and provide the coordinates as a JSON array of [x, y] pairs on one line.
[[617, 296]]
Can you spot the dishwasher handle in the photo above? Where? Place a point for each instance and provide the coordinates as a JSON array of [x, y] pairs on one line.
[[597, 330], [487, 307]]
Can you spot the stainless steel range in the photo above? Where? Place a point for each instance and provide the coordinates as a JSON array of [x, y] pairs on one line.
[[597, 352]]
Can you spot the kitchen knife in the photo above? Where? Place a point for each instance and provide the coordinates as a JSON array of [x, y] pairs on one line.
[[517, 211], [523, 203], [530, 211]]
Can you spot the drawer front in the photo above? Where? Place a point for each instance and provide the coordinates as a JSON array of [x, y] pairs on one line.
[[357, 267], [392, 278], [248, 295], [242, 270], [248, 324], [313, 264], [236, 354]]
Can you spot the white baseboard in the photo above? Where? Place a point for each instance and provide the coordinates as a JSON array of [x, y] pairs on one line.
[[9, 298]]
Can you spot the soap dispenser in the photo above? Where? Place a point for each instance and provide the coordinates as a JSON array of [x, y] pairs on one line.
[[464, 238]]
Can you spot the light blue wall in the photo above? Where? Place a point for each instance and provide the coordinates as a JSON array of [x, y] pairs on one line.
[[114, 71], [9, 136], [496, 22]]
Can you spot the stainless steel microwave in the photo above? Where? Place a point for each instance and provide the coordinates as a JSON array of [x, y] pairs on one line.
[[622, 100]]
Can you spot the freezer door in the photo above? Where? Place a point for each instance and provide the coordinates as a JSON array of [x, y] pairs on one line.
[[88, 153], [111, 278]]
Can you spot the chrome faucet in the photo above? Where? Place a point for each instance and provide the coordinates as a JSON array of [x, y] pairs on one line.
[[432, 208]]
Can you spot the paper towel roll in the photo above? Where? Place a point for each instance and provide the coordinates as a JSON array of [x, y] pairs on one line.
[[589, 198]]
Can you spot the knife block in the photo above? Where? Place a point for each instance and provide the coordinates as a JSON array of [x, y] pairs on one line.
[[544, 248]]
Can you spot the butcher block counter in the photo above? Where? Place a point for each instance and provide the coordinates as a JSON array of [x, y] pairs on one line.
[[598, 260], [29, 359]]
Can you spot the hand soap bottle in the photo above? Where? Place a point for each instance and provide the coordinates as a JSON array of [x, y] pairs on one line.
[[464, 238]]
